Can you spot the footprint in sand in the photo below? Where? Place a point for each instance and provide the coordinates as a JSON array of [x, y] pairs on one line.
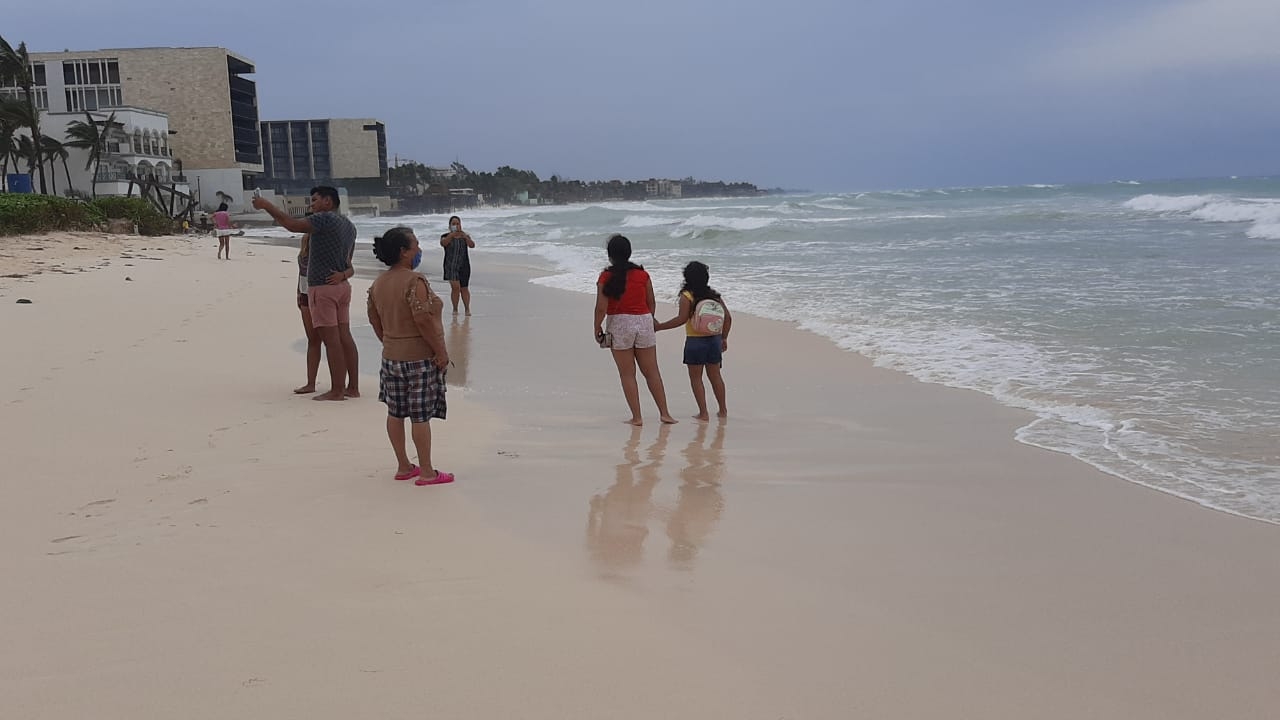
[[182, 472]]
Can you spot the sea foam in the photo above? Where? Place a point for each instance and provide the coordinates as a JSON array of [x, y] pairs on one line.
[[1263, 213]]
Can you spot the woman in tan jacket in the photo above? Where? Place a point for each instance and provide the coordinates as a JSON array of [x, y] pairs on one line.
[[405, 315]]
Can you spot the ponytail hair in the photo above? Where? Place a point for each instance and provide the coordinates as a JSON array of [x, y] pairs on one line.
[[696, 277], [388, 246], [619, 249]]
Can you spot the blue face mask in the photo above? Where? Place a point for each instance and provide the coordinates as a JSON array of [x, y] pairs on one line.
[[417, 259]]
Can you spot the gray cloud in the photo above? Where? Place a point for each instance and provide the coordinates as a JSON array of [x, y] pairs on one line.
[[812, 93]]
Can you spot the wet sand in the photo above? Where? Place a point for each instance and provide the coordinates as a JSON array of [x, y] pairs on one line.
[[184, 537]]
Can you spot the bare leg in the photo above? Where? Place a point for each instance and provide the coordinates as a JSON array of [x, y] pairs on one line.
[[455, 291], [422, 441], [466, 299], [699, 392], [220, 246], [351, 356], [395, 433], [717, 387], [332, 339], [313, 354], [647, 359], [626, 362]]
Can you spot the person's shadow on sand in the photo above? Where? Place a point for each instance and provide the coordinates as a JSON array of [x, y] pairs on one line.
[[618, 519], [700, 502]]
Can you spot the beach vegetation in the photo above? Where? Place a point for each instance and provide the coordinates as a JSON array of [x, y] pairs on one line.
[[22, 213], [142, 213]]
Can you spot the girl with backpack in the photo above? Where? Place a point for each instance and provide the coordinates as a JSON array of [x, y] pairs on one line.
[[706, 321]]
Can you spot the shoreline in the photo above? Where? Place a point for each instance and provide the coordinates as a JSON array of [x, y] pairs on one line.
[[850, 541]]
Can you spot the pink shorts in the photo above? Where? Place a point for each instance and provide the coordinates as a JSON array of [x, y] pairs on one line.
[[330, 305]]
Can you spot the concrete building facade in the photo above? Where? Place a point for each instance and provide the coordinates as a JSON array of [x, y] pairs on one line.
[[298, 154], [211, 107], [137, 147]]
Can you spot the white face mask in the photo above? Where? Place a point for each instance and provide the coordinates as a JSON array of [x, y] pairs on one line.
[[455, 227]]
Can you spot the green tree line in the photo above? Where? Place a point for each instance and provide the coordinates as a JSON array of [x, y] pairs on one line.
[[507, 184]]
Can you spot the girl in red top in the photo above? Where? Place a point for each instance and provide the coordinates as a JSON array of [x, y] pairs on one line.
[[624, 296]]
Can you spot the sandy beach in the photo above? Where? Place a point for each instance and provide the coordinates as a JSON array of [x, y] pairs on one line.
[[184, 537]]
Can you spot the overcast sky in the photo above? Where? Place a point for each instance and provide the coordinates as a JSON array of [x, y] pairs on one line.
[[820, 94]]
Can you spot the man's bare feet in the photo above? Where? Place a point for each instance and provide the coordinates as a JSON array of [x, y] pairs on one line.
[[331, 395], [722, 414], [634, 421], [304, 390], [353, 392], [668, 420], [702, 418]]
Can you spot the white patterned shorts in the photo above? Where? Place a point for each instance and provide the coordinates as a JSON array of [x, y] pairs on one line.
[[631, 332]]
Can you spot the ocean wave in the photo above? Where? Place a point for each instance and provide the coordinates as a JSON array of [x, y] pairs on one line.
[[644, 221], [729, 223], [1263, 213]]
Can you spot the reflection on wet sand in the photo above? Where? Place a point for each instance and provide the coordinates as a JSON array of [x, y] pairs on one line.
[[458, 343], [618, 519], [700, 503]]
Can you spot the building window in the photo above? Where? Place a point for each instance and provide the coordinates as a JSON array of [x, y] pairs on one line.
[[39, 93], [92, 84]]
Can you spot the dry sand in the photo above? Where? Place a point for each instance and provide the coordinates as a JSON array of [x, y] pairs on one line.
[[183, 537]]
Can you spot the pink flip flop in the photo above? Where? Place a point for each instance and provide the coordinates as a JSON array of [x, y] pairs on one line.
[[440, 479], [414, 472]]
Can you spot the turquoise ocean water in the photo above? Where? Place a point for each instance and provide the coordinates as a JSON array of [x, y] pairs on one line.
[[1139, 322]]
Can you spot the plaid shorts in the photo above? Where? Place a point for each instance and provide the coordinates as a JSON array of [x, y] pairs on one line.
[[412, 389]]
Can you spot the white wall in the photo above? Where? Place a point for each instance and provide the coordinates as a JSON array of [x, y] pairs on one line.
[[205, 184]]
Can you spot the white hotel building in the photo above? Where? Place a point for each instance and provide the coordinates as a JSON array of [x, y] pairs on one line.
[[185, 114]]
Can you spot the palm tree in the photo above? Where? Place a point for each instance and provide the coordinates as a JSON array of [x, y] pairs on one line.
[[8, 148], [15, 67], [27, 151], [93, 136], [14, 115], [53, 151]]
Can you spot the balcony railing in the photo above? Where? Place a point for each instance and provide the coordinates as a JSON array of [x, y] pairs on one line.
[[106, 175]]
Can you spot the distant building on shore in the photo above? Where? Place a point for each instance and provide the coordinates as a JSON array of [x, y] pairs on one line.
[[349, 153], [209, 134], [663, 188]]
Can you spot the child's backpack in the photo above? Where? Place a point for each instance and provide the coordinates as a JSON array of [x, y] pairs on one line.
[[708, 317]]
